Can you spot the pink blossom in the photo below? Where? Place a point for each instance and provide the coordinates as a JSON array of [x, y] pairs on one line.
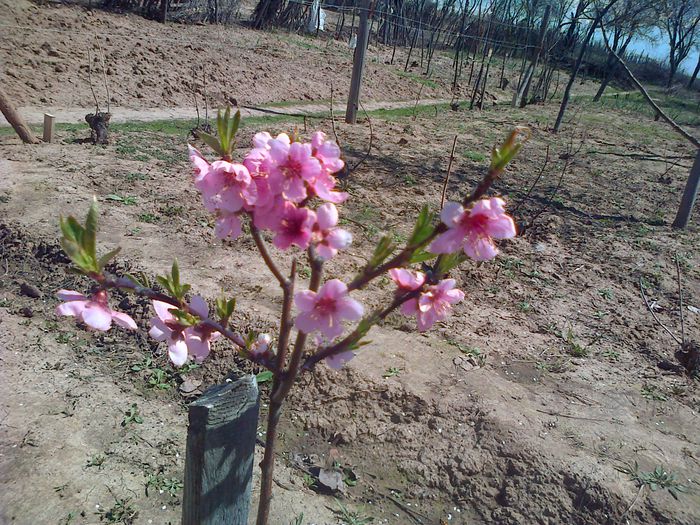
[[327, 238], [323, 187], [294, 227], [94, 312], [407, 279], [435, 304], [201, 166], [182, 341], [326, 309], [227, 187], [337, 361], [261, 345], [327, 152], [293, 165], [228, 226], [473, 230]]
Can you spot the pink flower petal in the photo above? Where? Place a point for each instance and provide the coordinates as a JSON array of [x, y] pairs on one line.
[[350, 309], [448, 242], [410, 307], [337, 361], [480, 248], [305, 300], [159, 330], [70, 295], [451, 213], [71, 308], [163, 310], [177, 352], [334, 288], [501, 227], [199, 306], [97, 316], [327, 216], [306, 322], [124, 320]]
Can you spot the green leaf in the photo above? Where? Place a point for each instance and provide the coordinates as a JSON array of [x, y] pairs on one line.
[[108, 257], [212, 142], [264, 376], [382, 251], [91, 230], [175, 272], [423, 228], [448, 262], [233, 124], [221, 125], [420, 256]]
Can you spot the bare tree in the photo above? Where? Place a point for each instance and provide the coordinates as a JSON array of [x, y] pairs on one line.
[[625, 20], [697, 68], [680, 19]]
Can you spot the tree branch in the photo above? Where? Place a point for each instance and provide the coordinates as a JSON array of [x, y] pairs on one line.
[[646, 96], [262, 248]]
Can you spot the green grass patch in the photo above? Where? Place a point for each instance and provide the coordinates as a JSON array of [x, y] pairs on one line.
[[418, 78]]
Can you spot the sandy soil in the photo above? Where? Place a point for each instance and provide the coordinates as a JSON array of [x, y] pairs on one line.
[[520, 409]]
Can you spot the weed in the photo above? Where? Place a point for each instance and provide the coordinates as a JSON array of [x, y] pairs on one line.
[[96, 461], [475, 156], [149, 218], [599, 314], [350, 517], [605, 293], [67, 520], [159, 379], [172, 211], [655, 479], [122, 512], [132, 416], [162, 484], [391, 372], [134, 176], [576, 349], [299, 520], [304, 272], [524, 307], [64, 338], [264, 376], [309, 480], [652, 393], [126, 200], [611, 354]]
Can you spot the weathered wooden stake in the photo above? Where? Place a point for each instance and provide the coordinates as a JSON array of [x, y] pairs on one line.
[[689, 195], [48, 127], [220, 450], [358, 65], [15, 120]]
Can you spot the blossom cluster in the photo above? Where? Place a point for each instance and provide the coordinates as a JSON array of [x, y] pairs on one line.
[[273, 185]]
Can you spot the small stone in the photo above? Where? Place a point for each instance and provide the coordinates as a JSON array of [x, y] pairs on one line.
[[59, 68], [27, 312], [29, 290]]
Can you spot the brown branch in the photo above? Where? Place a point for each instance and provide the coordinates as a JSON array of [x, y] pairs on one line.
[[97, 104], [532, 186], [104, 73], [646, 301], [124, 283], [285, 321], [371, 139], [447, 176], [262, 248], [649, 100]]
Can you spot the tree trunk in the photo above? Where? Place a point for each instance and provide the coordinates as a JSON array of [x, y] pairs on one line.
[[15, 120], [577, 66]]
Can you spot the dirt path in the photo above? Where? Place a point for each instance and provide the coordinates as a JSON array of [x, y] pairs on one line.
[[35, 115]]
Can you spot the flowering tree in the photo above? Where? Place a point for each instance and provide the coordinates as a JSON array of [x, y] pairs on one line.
[[287, 187]]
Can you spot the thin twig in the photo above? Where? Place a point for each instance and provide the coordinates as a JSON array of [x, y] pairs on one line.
[[532, 186], [646, 301], [639, 493], [97, 104], [371, 139], [262, 248], [335, 133], [104, 73], [680, 298], [447, 176]]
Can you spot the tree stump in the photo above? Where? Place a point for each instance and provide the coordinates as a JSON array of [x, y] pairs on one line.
[[99, 127]]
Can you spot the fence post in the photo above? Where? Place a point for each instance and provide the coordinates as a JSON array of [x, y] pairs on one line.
[[48, 127], [220, 451], [358, 65], [689, 195]]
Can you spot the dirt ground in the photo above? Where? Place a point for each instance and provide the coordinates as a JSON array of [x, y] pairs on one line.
[[523, 407]]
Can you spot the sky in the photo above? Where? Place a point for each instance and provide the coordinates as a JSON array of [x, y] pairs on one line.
[[659, 49]]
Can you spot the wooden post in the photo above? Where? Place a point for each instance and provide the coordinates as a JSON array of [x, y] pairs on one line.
[[48, 127], [15, 120], [220, 450], [689, 195], [358, 65], [164, 11]]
